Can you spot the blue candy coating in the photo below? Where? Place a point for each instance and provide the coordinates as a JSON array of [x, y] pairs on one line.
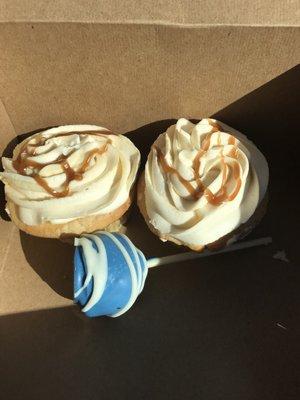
[[125, 273]]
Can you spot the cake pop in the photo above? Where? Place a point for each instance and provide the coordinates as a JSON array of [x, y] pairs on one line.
[[110, 272]]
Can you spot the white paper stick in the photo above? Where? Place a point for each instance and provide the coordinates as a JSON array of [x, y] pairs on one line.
[[156, 261]]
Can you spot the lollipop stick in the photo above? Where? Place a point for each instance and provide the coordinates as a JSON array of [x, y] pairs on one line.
[[155, 262]]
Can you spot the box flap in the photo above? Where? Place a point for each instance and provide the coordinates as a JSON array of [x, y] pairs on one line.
[[230, 12], [121, 76], [125, 76], [30, 278], [7, 130], [22, 268]]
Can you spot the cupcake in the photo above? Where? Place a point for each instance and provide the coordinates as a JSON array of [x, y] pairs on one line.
[[69, 180], [204, 185]]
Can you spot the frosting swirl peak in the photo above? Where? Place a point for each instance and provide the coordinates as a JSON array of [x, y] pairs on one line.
[[69, 172], [201, 181]]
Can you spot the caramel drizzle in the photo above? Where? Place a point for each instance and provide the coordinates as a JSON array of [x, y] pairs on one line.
[[170, 170], [21, 163], [221, 196], [231, 140]]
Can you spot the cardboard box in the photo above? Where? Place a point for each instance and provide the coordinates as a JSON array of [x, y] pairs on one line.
[[136, 67]]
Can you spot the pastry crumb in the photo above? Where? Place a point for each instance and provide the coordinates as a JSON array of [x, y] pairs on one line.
[[280, 325], [281, 255]]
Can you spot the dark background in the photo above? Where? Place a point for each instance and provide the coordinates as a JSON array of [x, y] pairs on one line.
[[225, 327]]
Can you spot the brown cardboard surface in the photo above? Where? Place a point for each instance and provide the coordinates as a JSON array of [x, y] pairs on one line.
[[6, 128], [125, 76], [202, 330], [224, 328], [21, 286], [37, 273], [247, 12], [133, 65]]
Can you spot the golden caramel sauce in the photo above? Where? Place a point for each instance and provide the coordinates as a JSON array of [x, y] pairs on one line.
[[206, 142], [221, 196], [21, 163], [42, 182], [196, 167], [237, 177], [233, 153], [170, 170], [231, 140], [215, 126]]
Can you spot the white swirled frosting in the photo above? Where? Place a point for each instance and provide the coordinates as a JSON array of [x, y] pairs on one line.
[[100, 186], [202, 181]]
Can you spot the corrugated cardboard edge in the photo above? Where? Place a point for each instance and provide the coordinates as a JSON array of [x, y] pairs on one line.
[[186, 12], [7, 129]]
